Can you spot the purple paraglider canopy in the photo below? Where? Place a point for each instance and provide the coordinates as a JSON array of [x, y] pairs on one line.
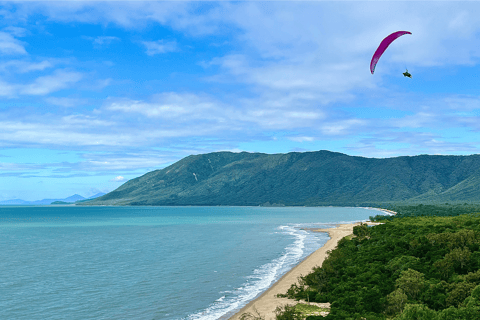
[[383, 46]]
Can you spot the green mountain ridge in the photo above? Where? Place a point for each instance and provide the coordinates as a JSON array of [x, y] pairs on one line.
[[302, 178]]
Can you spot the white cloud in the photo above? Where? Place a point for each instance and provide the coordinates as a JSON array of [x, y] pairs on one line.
[[84, 121], [160, 46], [149, 109], [294, 75], [118, 179], [43, 85], [65, 102], [418, 120], [99, 163], [462, 102], [105, 40], [97, 84], [302, 139], [188, 113], [7, 90], [23, 167], [25, 66], [64, 131], [29, 67], [16, 31], [313, 51], [343, 127], [11, 46], [171, 105], [131, 14], [125, 160], [470, 122], [308, 29], [101, 41]]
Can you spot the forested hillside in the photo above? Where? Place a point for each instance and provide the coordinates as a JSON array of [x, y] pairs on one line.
[[308, 178]]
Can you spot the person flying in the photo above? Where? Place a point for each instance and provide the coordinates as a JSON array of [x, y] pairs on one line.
[[407, 74]]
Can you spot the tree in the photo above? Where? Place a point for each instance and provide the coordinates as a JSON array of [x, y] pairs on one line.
[[288, 312], [361, 231], [417, 312], [444, 266], [320, 280], [396, 301], [460, 257], [411, 282], [401, 263]]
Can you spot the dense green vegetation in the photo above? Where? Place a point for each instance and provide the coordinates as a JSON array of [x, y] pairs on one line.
[[416, 266], [307, 178], [421, 210], [287, 312]]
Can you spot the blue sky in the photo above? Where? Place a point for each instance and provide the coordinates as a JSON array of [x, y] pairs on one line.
[[93, 94]]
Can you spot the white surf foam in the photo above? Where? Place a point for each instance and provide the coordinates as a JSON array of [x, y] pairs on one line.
[[263, 277]]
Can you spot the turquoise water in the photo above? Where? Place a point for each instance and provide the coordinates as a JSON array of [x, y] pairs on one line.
[[150, 262]]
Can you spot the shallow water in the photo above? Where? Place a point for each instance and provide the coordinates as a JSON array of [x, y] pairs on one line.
[[150, 262]]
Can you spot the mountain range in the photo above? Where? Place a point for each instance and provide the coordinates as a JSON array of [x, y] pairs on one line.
[[302, 178], [70, 199]]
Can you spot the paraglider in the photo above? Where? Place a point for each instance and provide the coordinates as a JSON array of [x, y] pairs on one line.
[[383, 46]]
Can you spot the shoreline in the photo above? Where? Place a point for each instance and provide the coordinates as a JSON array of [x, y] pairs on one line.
[[387, 212], [266, 303]]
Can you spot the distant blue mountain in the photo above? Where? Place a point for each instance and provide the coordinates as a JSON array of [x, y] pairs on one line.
[[71, 199], [75, 197], [14, 202], [96, 195]]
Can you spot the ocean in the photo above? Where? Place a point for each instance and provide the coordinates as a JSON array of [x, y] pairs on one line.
[[179, 263]]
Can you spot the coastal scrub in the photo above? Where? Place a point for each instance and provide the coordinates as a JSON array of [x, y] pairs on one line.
[[407, 268]]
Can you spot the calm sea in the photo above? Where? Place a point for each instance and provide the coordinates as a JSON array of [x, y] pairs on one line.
[[150, 262]]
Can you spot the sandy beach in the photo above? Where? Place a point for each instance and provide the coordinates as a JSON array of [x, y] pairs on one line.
[[266, 303], [386, 211]]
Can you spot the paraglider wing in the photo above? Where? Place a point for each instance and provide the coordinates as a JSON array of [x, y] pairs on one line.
[[383, 46]]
